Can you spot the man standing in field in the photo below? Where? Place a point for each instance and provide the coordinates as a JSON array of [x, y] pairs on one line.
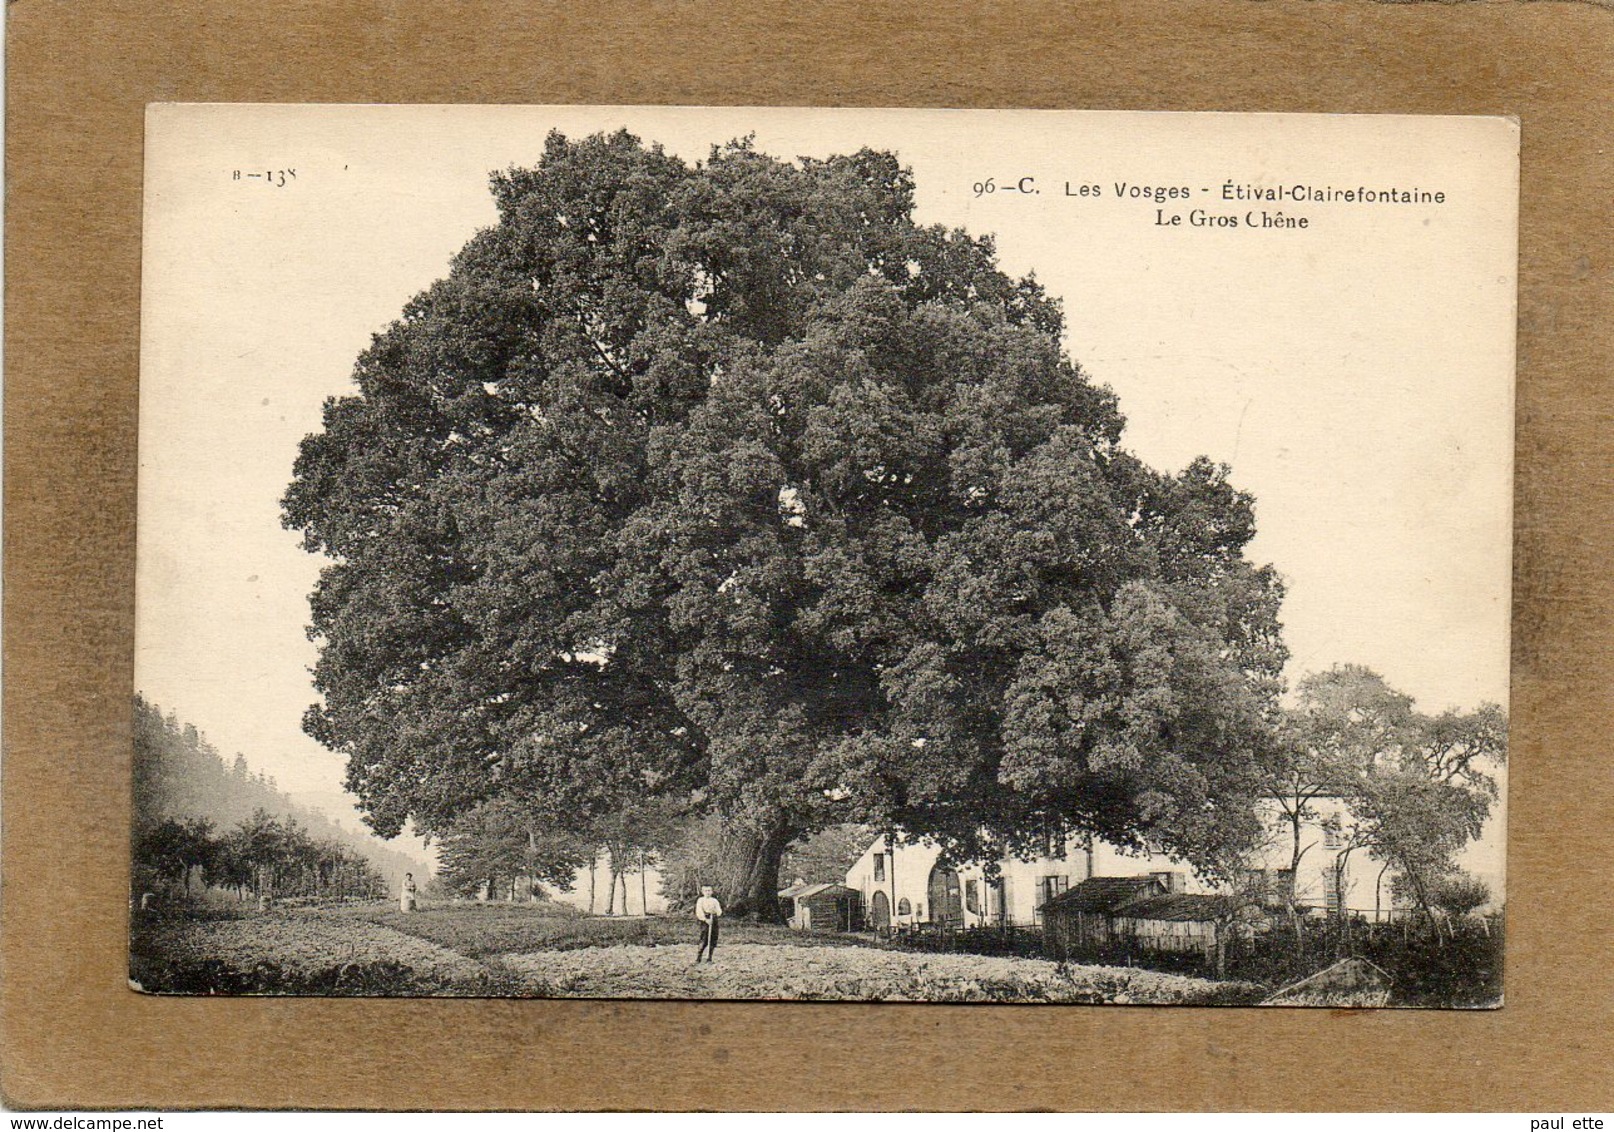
[[708, 911]]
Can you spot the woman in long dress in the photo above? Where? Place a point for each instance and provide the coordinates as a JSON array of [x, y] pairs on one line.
[[406, 896]]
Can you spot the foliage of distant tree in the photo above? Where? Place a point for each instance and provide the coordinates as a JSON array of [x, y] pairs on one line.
[[730, 486], [197, 817], [1418, 787], [824, 857], [171, 849], [179, 774], [260, 856], [501, 841]]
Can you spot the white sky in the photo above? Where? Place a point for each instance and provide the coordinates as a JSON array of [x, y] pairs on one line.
[[1357, 375]]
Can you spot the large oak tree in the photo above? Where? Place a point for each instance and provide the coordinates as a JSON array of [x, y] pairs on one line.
[[729, 484]]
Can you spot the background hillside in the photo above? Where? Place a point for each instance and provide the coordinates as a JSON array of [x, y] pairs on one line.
[[179, 775]]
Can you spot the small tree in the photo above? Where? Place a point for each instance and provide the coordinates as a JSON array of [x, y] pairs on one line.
[[235, 867], [261, 842], [1417, 788], [1460, 894], [173, 848], [502, 840]]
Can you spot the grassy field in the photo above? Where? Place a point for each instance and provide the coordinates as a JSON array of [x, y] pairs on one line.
[[551, 951]]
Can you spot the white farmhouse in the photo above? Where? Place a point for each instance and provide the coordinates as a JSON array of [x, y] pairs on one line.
[[906, 885]]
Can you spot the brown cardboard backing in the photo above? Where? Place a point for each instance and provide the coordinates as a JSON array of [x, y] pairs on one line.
[[79, 76]]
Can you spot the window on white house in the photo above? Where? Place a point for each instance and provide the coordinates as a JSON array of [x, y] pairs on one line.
[[879, 866], [972, 896], [904, 908], [1053, 839]]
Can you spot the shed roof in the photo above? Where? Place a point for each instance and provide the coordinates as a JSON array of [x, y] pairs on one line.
[[1178, 906], [822, 889], [1105, 894], [803, 891]]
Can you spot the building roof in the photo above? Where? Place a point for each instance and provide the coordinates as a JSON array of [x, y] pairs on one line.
[[1178, 906], [803, 891], [1105, 894]]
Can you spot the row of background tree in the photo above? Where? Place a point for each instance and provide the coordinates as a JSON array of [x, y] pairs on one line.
[[262, 856], [200, 821], [511, 849], [1416, 785]]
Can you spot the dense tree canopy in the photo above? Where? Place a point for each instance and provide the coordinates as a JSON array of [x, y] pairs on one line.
[[729, 484]]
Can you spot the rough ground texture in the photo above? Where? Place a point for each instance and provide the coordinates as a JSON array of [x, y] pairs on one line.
[[293, 941], [750, 970], [346, 951]]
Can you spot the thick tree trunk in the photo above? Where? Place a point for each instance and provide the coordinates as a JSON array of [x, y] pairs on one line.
[[749, 870], [593, 872]]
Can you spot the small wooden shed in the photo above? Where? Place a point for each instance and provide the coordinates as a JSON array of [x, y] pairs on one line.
[[1084, 916], [822, 907], [1174, 922]]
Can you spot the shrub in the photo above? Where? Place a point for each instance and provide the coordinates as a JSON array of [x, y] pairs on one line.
[[1024, 942], [369, 978], [1460, 894], [1455, 964]]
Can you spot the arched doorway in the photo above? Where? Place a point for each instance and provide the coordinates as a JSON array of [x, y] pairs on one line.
[[946, 899], [879, 912]]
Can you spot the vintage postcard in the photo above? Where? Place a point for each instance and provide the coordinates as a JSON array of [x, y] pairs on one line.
[[903, 555]]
